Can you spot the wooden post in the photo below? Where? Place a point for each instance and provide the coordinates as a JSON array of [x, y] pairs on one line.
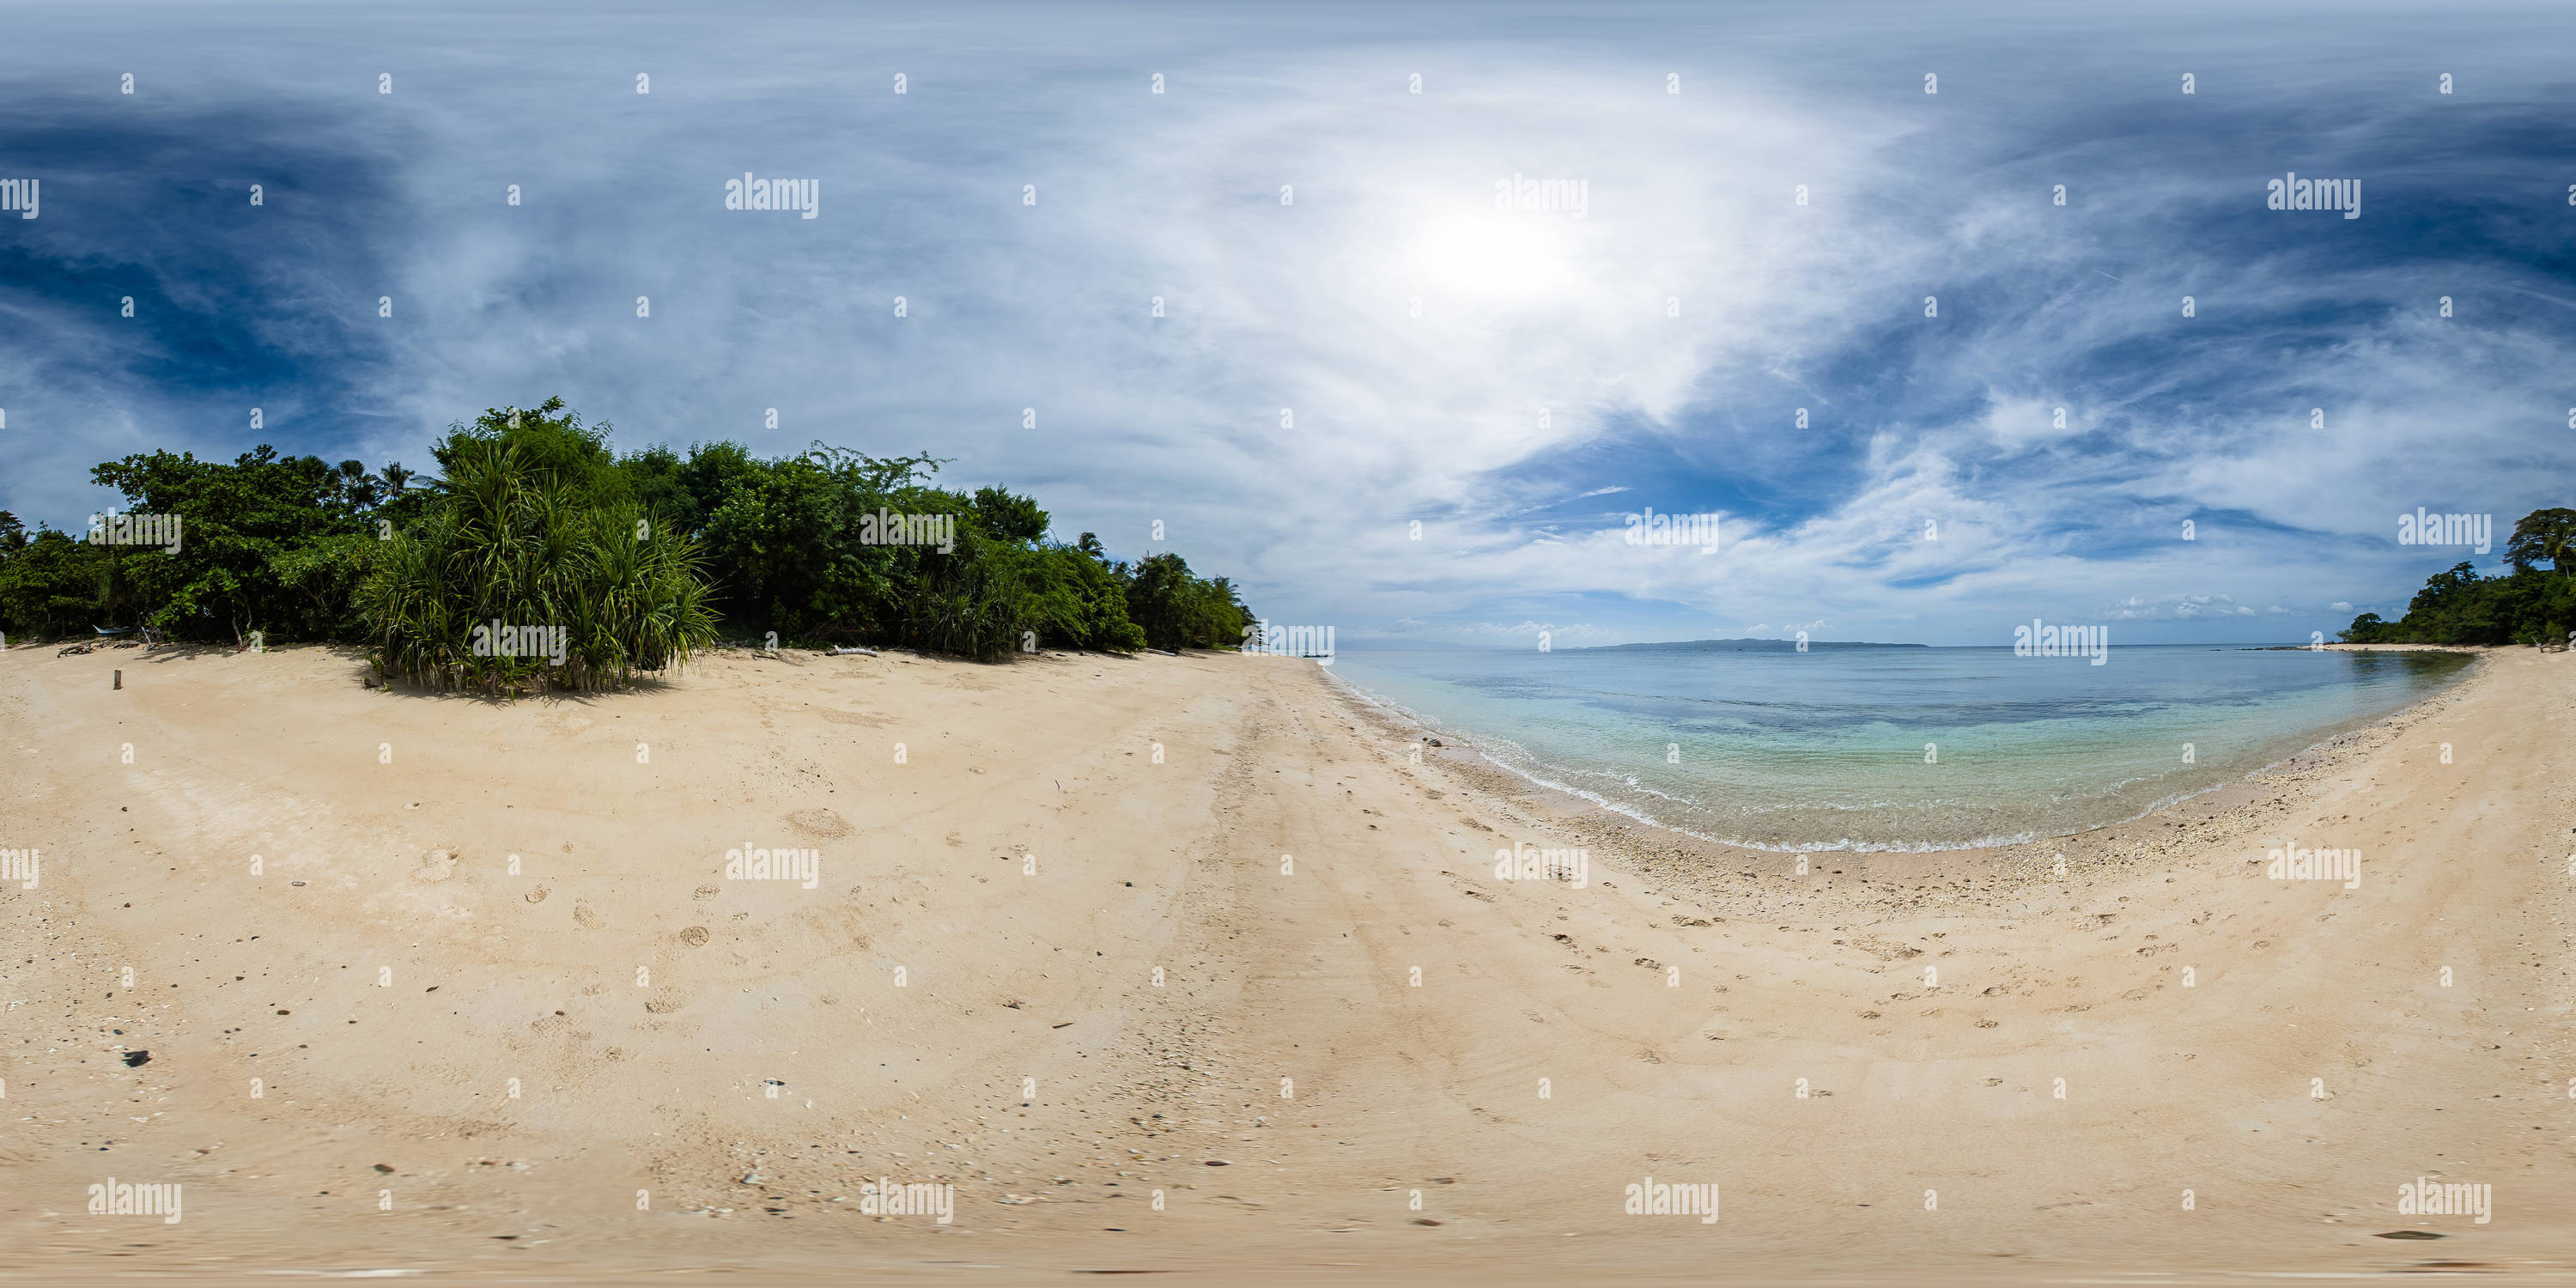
[[120, 679]]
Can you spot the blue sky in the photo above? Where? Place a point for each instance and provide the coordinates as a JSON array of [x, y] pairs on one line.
[[1559, 373]]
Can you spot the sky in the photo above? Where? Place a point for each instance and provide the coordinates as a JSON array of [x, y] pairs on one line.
[[1281, 308]]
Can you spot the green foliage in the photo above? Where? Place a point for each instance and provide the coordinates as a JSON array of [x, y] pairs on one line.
[[2524, 606], [327, 572], [237, 520], [549, 441], [686, 492], [522, 541], [786, 537], [52, 585], [533, 520], [804, 551], [1084, 604], [1178, 609], [2544, 536], [1010, 517]]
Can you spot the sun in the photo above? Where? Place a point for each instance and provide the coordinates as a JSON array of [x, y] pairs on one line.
[[1493, 257]]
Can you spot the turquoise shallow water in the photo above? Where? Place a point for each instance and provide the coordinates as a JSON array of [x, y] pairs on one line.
[[1826, 750]]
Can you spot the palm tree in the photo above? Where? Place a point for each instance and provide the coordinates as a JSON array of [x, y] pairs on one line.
[[395, 477], [356, 484]]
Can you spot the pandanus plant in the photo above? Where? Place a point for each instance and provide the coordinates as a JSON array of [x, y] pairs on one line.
[[514, 546]]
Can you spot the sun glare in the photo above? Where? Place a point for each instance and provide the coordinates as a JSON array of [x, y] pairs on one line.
[[1493, 257]]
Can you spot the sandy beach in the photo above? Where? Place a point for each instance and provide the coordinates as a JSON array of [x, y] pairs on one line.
[[1198, 965]]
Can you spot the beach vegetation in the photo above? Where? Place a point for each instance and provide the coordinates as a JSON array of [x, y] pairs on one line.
[[2526, 604], [533, 519]]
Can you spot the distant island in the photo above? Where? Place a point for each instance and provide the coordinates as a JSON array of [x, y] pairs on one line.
[[1735, 646]]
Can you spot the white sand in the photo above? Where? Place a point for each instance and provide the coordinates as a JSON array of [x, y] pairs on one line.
[[663, 1085]]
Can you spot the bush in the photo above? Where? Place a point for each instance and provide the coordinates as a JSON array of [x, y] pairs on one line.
[[517, 543], [797, 552]]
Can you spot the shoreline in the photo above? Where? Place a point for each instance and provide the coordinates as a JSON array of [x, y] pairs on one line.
[[1603, 824]]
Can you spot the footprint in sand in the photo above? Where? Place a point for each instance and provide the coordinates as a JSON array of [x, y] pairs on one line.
[[694, 936], [583, 917], [819, 823], [435, 866]]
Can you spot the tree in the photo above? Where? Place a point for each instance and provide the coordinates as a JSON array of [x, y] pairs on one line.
[[357, 487], [1008, 516], [2545, 535], [1177, 609], [236, 521], [53, 585], [686, 491], [2525, 606], [327, 573]]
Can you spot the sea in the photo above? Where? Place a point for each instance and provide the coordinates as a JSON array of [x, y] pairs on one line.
[[1887, 747]]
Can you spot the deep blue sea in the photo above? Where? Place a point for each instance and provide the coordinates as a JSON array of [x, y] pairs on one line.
[[1827, 750]]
